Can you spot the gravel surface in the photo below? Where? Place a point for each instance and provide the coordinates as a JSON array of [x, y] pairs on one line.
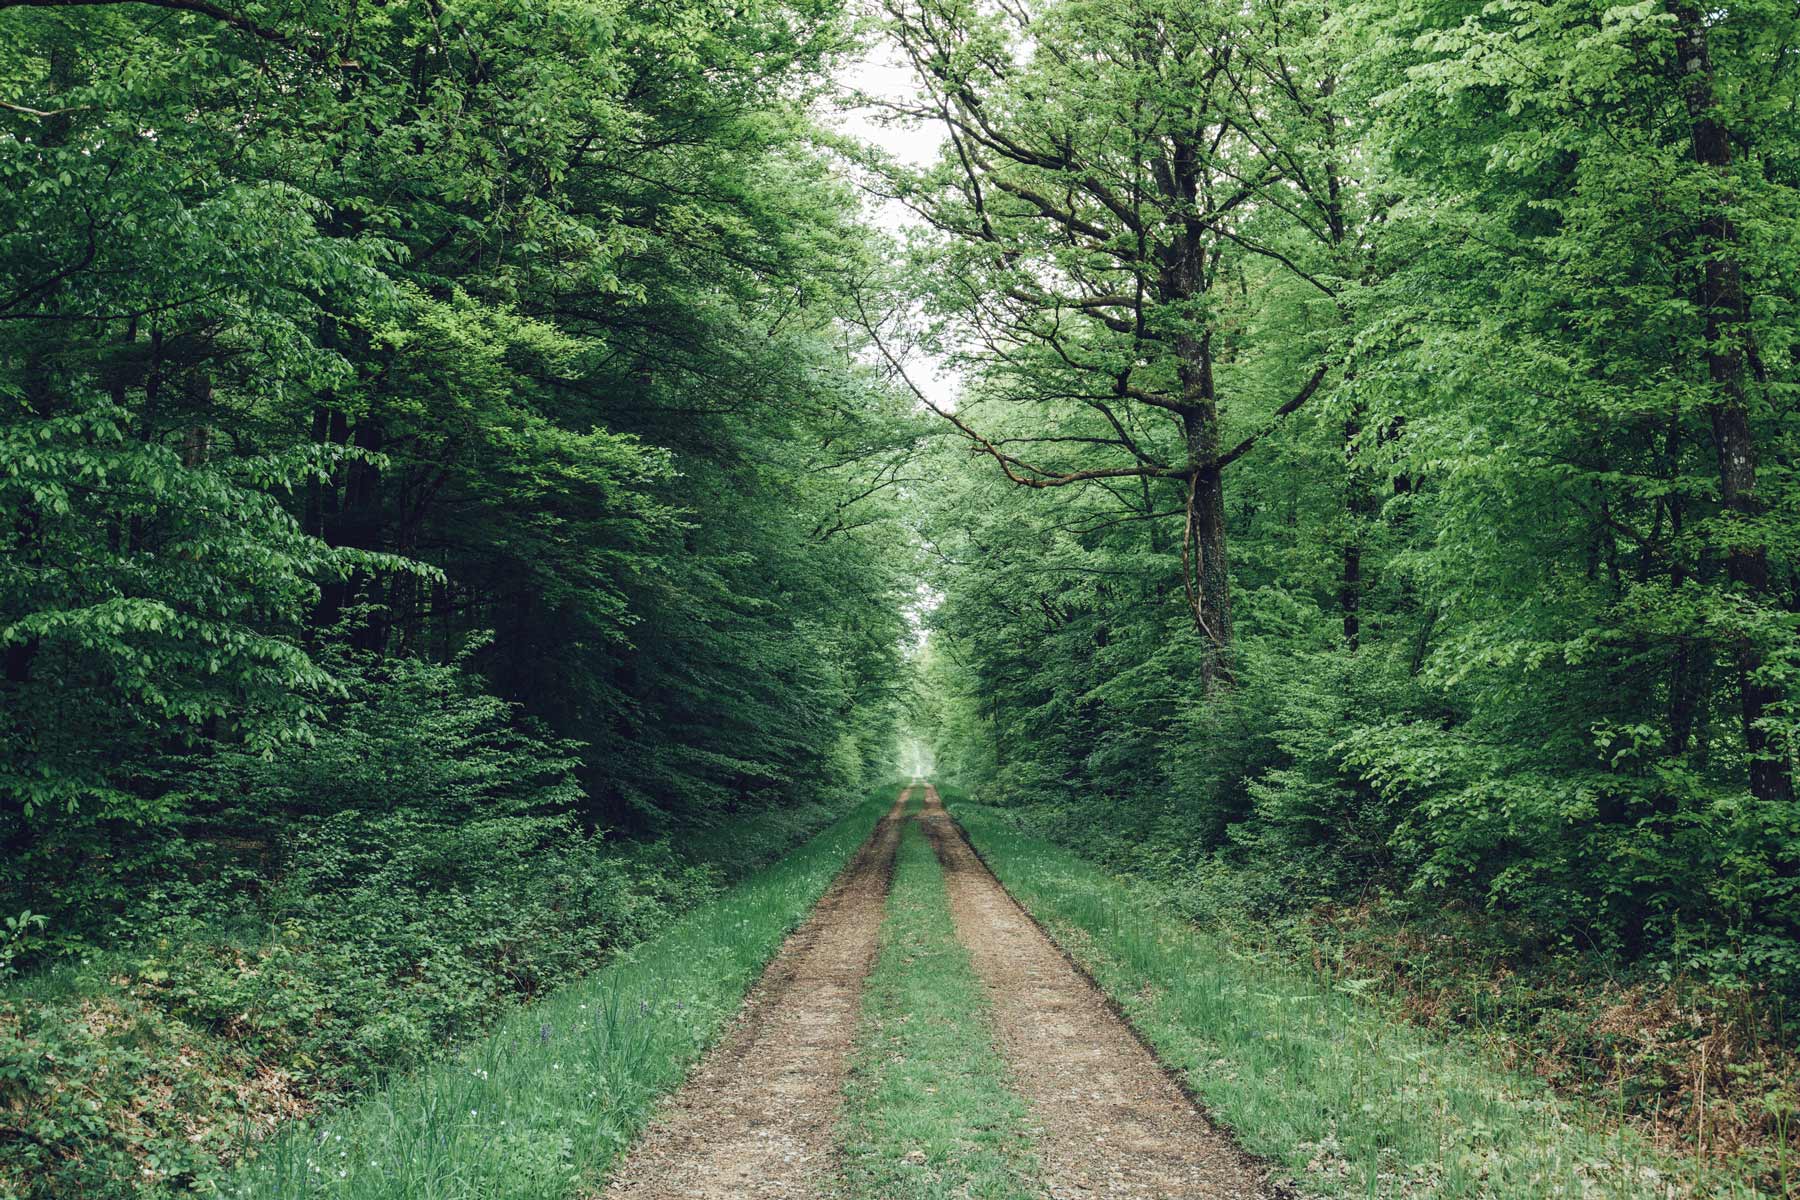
[[755, 1119], [1108, 1119]]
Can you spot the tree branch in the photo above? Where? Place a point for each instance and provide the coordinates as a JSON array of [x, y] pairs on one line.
[[1249, 443]]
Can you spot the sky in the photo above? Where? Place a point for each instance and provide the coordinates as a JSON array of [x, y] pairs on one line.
[[884, 73]]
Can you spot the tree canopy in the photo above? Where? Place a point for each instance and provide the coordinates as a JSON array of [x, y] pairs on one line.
[[337, 335], [1469, 329]]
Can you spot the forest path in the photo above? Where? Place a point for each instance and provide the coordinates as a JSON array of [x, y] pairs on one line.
[[1107, 1119], [755, 1118]]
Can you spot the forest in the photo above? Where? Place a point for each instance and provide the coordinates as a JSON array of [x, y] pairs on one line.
[[595, 561]]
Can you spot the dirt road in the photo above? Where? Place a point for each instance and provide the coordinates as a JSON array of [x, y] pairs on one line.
[[1108, 1120], [756, 1118]]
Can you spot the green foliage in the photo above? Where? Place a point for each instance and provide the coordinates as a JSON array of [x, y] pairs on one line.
[[438, 336], [1513, 593], [436, 437], [395, 938], [546, 1102], [428, 459], [100, 1091]]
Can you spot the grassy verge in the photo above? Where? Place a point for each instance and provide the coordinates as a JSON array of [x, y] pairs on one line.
[[1706, 1061], [547, 1101], [1352, 1101], [928, 1113]]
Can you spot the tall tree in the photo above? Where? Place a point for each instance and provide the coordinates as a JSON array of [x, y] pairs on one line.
[[1117, 177]]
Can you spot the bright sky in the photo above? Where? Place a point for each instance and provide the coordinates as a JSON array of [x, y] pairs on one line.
[[882, 72]]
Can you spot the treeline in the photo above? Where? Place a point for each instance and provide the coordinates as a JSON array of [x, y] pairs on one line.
[[1377, 474], [415, 414]]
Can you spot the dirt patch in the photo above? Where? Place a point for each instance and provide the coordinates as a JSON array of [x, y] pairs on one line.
[[1107, 1118], [755, 1118]]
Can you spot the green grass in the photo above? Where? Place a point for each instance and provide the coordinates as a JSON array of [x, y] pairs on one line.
[[1352, 1100], [545, 1103], [928, 1113]]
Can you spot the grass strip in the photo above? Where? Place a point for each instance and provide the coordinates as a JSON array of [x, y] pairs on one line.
[[928, 1112], [545, 1104], [1351, 1099]]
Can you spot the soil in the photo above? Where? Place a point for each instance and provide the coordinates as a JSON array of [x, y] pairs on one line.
[[755, 1119], [1108, 1119]]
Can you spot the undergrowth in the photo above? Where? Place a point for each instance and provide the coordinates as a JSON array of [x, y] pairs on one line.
[[546, 1102]]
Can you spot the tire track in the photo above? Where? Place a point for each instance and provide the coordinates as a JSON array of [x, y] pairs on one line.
[[755, 1118], [1108, 1120]]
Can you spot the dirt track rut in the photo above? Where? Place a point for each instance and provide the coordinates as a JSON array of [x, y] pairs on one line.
[[754, 1120], [1108, 1120]]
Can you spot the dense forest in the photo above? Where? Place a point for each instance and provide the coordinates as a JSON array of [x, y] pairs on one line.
[[1506, 607], [478, 479], [366, 364], [429, 444], [1384, 422]]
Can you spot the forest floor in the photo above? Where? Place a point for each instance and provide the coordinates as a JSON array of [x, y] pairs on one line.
[[760, 1115], [925, 1005]]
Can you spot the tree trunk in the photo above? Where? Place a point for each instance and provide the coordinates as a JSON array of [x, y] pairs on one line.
[[362, 529], [1725, 304], [1359, 503], [1205, 567]]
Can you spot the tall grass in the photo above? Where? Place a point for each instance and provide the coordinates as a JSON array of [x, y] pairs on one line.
[[1352, 1100], [928, 1112], [544, 1105]]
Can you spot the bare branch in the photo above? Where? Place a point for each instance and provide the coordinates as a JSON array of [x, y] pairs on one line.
[[1300, 398]]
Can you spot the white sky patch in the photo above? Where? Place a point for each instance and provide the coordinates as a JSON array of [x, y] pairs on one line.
[[884, 74]]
